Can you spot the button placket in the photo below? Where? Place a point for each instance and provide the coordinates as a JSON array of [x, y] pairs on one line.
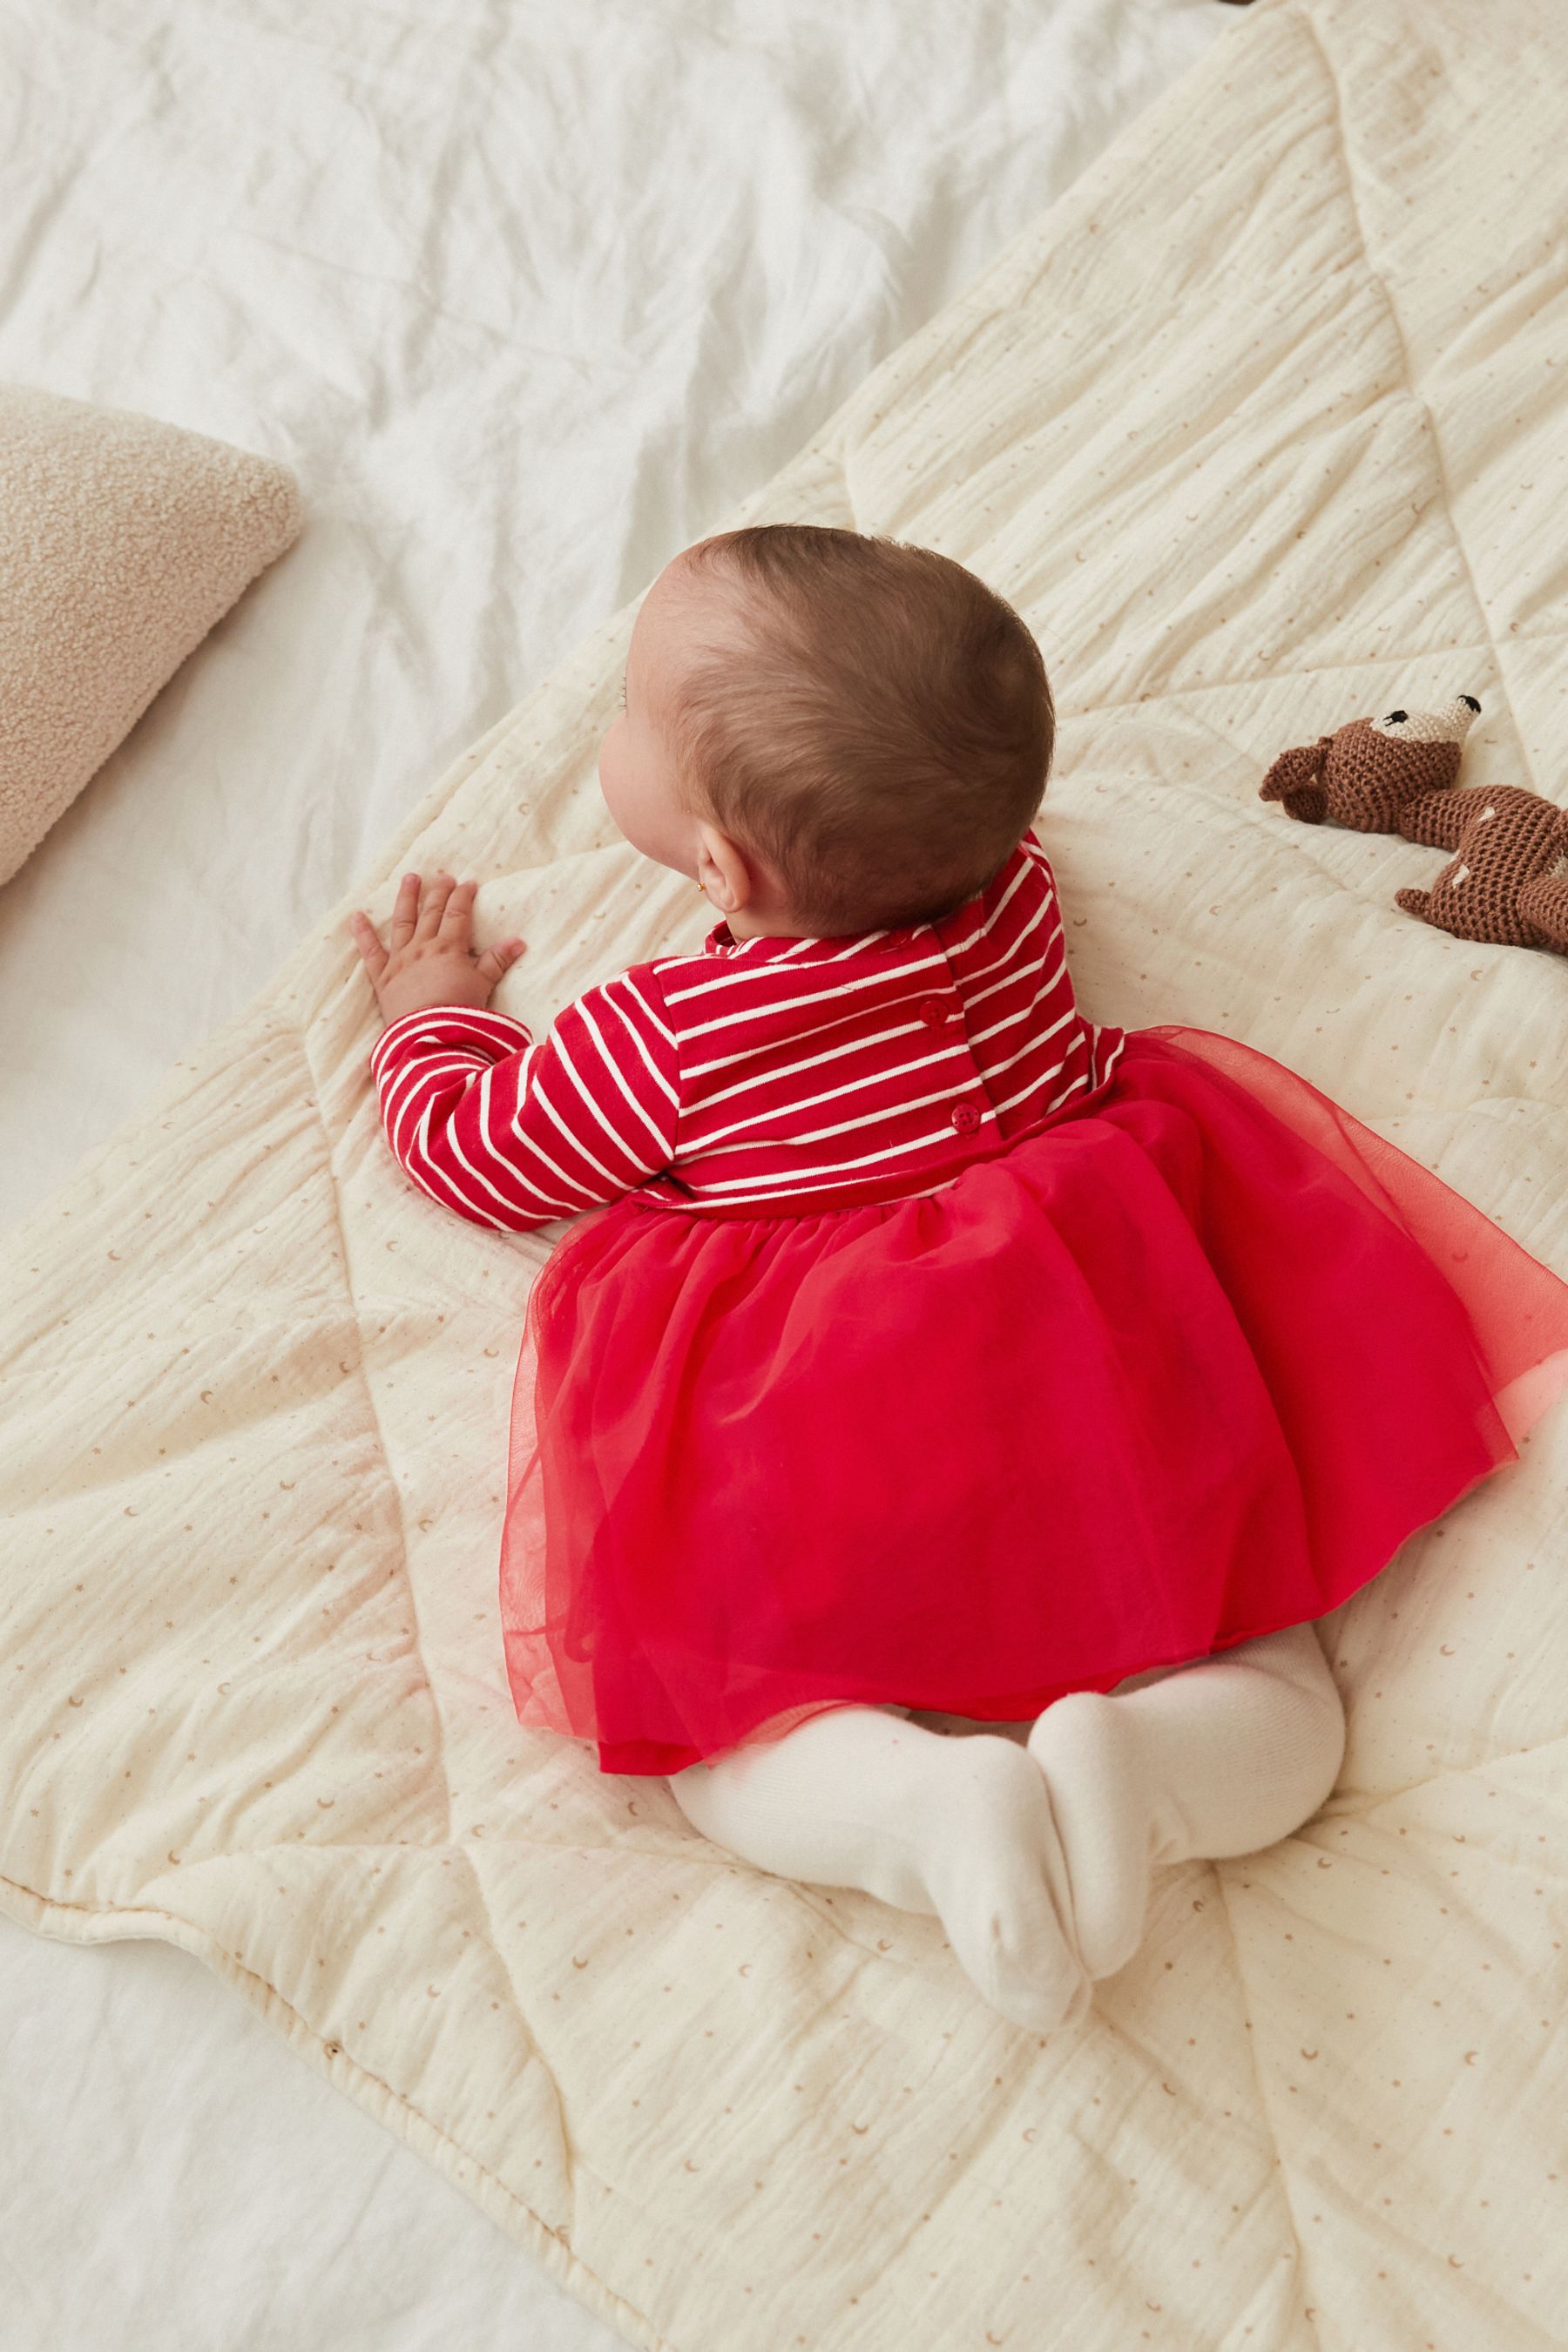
[[937, 1011]]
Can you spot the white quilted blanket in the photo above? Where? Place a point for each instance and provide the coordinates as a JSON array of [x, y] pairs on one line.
[[1263, 429]]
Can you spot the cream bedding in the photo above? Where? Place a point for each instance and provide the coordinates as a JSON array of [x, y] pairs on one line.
[[1262, 429]]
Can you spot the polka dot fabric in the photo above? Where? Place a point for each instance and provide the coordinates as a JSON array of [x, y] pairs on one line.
[[1264, 426]]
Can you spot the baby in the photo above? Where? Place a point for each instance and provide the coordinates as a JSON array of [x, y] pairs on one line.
[[921, 1346]]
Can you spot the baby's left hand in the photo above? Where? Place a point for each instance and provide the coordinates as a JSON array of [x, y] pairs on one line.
[[431, 959]]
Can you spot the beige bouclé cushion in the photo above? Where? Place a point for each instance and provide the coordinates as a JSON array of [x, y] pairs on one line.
[[123, 541]]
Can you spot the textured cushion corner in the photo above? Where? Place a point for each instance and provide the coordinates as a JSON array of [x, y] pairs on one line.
[[123, 541]]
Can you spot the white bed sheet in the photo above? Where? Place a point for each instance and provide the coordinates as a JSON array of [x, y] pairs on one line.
[[528, 297]]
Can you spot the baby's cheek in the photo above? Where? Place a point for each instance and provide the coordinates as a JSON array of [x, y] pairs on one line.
[[647, 816], [617, 782], [621, 783]]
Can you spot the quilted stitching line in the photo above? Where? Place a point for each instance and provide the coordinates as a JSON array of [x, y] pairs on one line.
[[1377, 280], [568, 2152], [1069, 710], [1266, 2108]]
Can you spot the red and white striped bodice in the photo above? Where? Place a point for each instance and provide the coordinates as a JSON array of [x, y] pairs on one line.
[[756, 1074]]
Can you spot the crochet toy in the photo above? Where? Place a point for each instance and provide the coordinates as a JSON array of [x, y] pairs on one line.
[[1364, 775], [1396, 774], [1501, 885]]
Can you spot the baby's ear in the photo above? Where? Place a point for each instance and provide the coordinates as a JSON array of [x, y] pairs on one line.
[[1296, 778], [723, 863]]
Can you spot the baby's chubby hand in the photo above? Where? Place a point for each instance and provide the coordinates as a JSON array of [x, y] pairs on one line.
[[431, 959]]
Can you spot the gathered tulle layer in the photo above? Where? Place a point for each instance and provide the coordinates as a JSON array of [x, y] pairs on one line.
[[1183, 1365]]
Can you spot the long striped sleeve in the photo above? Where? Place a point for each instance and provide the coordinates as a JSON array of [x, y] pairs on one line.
[[511, 1132]]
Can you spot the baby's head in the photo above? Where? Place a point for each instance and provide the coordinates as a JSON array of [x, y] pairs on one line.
[[831, 733]]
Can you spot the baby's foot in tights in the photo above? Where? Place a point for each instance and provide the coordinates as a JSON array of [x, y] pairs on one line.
[[857, 1796], [1087, 1747], [996, 1876], [1221, 1757]]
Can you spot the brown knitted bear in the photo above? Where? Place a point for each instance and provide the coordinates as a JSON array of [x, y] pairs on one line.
[[1396, 774], [1501, 885], [1364, 775]]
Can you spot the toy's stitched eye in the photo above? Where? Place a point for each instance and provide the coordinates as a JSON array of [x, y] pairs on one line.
[[1396, 719]]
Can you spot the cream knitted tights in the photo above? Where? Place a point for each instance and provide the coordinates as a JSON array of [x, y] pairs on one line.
[[1037, 1855]]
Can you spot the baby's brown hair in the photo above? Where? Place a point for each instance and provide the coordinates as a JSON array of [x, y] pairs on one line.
[[884, 740]]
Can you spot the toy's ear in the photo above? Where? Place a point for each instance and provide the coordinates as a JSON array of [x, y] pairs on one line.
[[1296, 778]]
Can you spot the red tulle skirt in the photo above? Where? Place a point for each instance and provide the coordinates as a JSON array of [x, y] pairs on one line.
[[1183, 1365]]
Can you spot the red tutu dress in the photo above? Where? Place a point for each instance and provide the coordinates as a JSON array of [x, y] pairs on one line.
[[951, 1351]]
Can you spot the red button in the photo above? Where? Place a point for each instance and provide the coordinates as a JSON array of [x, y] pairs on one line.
[[965, 1117], [932, 1011]]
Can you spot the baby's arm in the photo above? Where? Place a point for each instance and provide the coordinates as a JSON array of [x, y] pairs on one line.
[[511, 1133], [505, 1131]]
